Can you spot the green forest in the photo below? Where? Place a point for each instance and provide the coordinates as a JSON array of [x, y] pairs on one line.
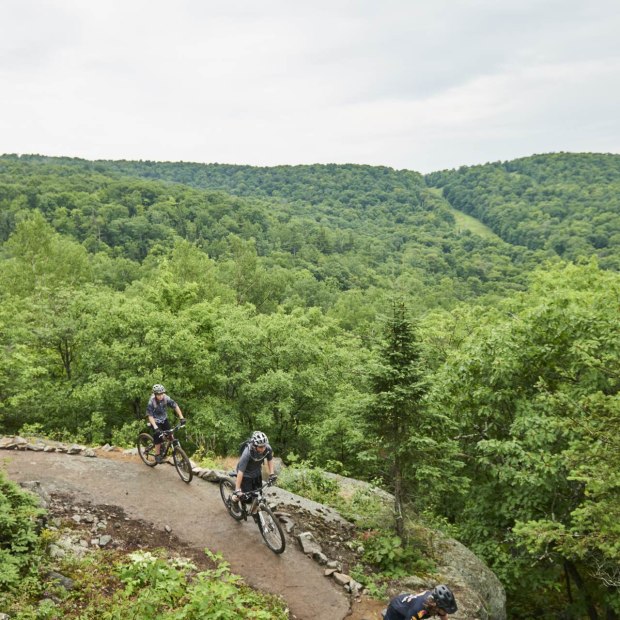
[[468, 362]]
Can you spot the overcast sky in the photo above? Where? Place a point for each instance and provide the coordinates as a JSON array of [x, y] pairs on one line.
[[417, 84]]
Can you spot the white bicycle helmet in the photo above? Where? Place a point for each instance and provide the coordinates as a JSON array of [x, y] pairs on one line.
[[257, 440], [158, 388]]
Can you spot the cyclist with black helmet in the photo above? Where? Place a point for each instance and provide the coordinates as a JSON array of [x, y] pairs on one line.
[[249, 476], [157, 413], [436, 602]]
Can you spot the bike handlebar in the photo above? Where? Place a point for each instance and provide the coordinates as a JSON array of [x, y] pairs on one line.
[[171, 431], [252, 494]]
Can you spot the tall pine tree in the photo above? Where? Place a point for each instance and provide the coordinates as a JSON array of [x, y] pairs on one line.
[[413, 438], [399, 387]]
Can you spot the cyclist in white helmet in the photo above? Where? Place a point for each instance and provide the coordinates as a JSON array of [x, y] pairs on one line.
[[249, 475], [157, 413]]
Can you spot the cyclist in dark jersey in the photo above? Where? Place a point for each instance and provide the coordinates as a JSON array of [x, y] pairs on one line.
[[157, 413], [436, 602], [249, 476]]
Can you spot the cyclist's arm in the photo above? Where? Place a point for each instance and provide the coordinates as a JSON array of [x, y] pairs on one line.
[[149, 414], [241, 465], [270, 465], [179, 412]]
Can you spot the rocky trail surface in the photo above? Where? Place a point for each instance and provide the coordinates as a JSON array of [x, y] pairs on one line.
[[193, 515]]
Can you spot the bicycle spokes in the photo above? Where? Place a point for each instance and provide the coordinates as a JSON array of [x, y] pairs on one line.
[[270, 529]]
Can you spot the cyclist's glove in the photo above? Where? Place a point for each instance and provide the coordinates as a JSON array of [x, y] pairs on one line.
[[272, 479], [183, 422]]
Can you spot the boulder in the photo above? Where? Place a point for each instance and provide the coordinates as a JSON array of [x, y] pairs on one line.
[[308, 544], [462, 566]]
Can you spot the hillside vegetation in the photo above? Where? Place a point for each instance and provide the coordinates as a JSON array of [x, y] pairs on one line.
[[568, 204], [349, 314]]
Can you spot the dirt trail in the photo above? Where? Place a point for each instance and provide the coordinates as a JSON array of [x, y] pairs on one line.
[[197, 517]]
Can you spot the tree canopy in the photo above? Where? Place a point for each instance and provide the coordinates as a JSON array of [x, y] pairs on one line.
[[486, 398]]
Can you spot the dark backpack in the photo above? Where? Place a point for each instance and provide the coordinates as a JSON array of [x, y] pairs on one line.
[[243, 445]]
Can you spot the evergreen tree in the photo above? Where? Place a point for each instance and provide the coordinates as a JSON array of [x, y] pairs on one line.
[[399, 387]]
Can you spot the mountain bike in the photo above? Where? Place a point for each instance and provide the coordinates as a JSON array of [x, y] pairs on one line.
[[254, 504], [146, 450]]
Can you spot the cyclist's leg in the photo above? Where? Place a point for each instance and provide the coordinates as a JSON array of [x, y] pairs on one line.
[[247, 485], [256, 484], [158, 438]]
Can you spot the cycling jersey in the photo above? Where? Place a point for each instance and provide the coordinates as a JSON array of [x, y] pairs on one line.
[[250, 467], [408, 607], [158, 408]]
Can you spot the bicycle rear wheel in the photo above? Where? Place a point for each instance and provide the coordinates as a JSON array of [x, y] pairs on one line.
[[227, 488], [270, 529], [182, 464], [146, 447]]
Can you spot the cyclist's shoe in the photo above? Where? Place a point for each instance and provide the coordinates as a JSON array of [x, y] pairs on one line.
[[159, 460], [255, 517]]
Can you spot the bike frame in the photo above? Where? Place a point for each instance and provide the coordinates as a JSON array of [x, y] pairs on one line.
[[267, 522], [146, 449]]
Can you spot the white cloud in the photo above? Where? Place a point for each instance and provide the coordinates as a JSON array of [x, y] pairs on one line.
[[404, 83]]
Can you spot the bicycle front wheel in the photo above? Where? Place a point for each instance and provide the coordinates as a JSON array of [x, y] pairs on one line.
[[227, 488], [270, 529], [146, 447], [182, 464]]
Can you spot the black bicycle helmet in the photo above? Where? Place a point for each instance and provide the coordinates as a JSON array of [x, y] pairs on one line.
[[444, 598], [158, 388]]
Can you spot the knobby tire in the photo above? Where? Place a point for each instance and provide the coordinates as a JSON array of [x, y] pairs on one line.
[[271, 530], [182, 464], [227, 488], [146, 445]]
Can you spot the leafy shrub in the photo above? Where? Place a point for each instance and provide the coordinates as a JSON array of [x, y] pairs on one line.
[[365, 508], [93, 432], [126, 435], [375, 584], [386, 551], [310, 482], [19, 512], [32, 430], [206, 458], [155, 586]]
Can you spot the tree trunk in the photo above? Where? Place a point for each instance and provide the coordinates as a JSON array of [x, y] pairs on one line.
[[569, 592], [398, 503], [576, 577], [64, 349]]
